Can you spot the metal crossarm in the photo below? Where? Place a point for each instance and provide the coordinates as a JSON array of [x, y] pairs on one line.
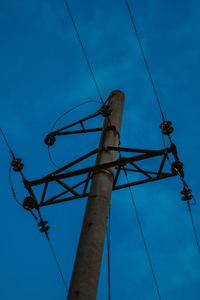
[[122, 163], [80, 131], [76, 123], [119, 162]]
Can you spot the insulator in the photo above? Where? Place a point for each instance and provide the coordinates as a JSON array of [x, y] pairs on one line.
[[17, 164], [177, 168], [186, 191], [187, 197], [42, 223], [45, 229], [30, 203], [50, 139], [166, 127], [43, 226], [105, 110]]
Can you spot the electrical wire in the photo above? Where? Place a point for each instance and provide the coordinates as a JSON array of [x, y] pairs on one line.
[[162, 114], [57, 263], [148, 71], [51, 158], [6, 141], [9, 172], [145, 60], [193, 225], [51, 247], [143, 237], [83, 49], [190, 212], [12, 187]]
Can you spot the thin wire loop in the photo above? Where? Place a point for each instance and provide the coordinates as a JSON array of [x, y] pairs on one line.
[[70, 110], [83, 49], [59, 118]]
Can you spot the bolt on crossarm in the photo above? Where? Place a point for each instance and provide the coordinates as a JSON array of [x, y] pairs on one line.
[[85, 276]]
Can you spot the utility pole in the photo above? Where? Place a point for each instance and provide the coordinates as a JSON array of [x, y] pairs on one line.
[[104, 179], [85, 276]]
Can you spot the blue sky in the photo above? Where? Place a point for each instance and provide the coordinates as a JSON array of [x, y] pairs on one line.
[[44, 73]]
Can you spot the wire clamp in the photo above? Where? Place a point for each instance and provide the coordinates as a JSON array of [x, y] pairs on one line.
[[17, 164], [166, 127]]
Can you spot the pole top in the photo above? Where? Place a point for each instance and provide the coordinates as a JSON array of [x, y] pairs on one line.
[[116, 92]]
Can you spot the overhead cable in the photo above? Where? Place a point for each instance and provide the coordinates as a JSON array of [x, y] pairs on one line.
[[35, 217], [143, 238], [57, 263], [9, 172], [161, 111], [190, 211], [44, 228], [83, 49], [6, 141], [12, 187], [145, 60], [193, 225]]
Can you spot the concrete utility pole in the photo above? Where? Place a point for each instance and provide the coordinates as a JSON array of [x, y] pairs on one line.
[[85, 277]]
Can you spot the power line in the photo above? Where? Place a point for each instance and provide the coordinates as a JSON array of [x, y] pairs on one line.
[[12, 187], [6, 141], [83, 49], [57, 263], [143, 237], [189, 208], [193, 225], [145, 60], [162, 114], [9, 172]]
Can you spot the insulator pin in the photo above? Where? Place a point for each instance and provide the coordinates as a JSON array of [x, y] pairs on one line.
[[30, 203], [166, 127], [17, 164], [50, 139]]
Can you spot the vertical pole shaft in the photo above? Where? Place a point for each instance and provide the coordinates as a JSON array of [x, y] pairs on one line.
[[85, 276]]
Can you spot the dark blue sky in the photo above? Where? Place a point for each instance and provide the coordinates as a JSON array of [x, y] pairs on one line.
[[44, 73]]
